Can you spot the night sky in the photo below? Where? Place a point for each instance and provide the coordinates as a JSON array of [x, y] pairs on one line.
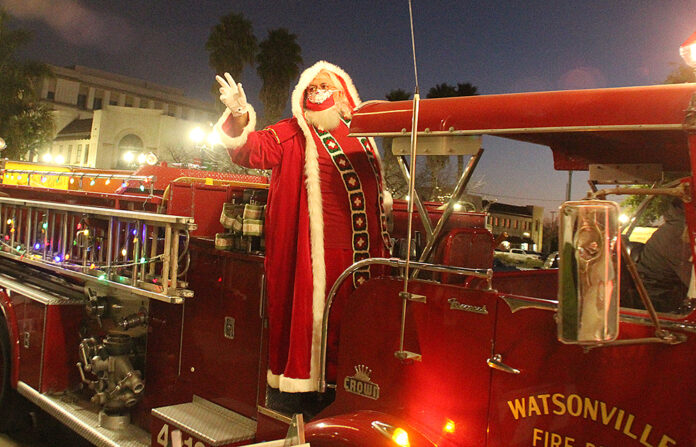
[[499, 46]]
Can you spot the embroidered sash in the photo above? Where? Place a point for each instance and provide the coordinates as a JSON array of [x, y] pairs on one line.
[[356, 199]]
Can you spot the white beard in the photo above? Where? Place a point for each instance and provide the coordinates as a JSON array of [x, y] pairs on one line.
[[330, 118]]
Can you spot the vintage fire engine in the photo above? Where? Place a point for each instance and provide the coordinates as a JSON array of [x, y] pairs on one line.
[[125, 320]]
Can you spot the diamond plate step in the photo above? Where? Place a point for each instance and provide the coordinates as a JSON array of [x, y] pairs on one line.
[[211, 423], [82, 417]]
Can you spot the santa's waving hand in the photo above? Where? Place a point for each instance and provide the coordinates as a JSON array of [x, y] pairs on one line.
[[232, 95]]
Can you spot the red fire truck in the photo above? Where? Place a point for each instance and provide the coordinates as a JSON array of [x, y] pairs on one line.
[[125, 319]]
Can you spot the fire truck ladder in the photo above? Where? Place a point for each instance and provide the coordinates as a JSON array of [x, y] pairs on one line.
[[129, 250]]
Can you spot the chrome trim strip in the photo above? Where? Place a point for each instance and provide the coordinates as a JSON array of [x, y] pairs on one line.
[[32, 293], [273, 414], [525, 130], [665, 324], [75, 274], [515, 304]]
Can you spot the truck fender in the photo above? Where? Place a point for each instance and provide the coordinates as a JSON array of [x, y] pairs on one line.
[[361, 428], [8, 313]]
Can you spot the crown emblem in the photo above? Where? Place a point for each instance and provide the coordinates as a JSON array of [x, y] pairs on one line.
[[362, 372]]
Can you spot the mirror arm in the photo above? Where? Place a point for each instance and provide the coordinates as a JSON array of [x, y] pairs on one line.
[[631, 266]]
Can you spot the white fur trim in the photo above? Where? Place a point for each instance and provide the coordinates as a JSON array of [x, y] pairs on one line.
[[289, 385], [233, 142], [272, 379], [387, 202], [316, 221]]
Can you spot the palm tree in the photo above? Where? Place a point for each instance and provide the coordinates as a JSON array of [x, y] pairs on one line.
[[25, 123], [279, 61], [443, 90], [398, 95], [231, 46], [681, 73], [466, 89]]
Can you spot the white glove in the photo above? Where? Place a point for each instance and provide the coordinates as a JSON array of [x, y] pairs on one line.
[[232, 95]]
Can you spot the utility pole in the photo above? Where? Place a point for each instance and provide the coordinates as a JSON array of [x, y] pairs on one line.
[[570, 180]]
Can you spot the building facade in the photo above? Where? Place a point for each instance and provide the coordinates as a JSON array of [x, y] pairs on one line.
[[106, 120], [523, 224]]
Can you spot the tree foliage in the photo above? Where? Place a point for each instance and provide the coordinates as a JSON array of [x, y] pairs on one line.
[[433, 184], [231, 45], [25, 123], [398, 95], [445, 90], [279, 61], [682, 73]]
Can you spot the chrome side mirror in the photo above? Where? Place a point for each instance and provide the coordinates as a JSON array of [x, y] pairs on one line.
[[589, 271]]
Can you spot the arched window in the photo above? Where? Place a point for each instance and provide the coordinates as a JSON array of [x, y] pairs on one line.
[[129, 148]]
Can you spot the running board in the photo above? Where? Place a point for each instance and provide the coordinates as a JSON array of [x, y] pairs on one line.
[[204, 421], [82, 417]]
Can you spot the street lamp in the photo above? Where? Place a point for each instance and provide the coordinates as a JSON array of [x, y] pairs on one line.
[[687, 50], [203, 141], [3, 145], [197, 135]]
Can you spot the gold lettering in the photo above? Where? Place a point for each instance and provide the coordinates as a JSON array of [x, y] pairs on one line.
[[533, 407], [569, 442], [544, 400], [666, 441], [589, 444], [518, 408], [619, 419], [578, 409], [606, 418], [644, 436], [590, 408], [627, 427], [556, 440], [536, 436], [557, 399]]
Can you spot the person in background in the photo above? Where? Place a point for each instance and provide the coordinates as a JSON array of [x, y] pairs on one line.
[[665, 261], [327, 209]]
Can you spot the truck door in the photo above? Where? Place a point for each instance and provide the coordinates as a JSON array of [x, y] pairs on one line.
[[447, 389], [564, 395]]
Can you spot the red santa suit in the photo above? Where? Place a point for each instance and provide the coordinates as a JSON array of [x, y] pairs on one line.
[[325, 211]]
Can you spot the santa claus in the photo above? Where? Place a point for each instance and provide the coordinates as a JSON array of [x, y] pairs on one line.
[[326, 210]]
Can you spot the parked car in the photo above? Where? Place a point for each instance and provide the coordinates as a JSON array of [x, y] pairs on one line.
[[519, 258], [551, 261]]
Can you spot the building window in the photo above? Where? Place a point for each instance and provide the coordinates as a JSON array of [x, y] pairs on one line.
[[129, 101], [97, 104], [85, 156], [78, 154], [113, 102], [51, 95], [82, 101], [129, 148]]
